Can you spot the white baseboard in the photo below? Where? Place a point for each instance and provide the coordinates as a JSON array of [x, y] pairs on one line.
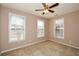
[[65, 44], [21, 46]]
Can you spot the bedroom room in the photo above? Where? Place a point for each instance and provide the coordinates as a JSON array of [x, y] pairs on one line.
[[39, 29]]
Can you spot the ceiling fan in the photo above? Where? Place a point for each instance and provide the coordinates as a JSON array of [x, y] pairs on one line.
[[47, 8]]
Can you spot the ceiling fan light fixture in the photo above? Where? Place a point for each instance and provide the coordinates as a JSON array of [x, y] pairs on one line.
[[47, 8], [46, 11]]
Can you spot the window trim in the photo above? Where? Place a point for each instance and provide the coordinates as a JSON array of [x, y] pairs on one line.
[[58, 37], [14, 14]]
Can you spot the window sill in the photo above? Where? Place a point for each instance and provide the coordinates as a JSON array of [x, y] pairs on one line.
[[16, 41], [59, 37]]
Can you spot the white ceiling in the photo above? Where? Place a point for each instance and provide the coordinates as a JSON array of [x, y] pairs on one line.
[[63, 8]]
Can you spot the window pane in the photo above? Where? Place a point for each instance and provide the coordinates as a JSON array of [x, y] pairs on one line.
[[59, 28], [16, 27], [40, 28]]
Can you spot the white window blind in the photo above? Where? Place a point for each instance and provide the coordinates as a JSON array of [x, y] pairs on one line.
[[16, 27], [59, 28], [40, 28]]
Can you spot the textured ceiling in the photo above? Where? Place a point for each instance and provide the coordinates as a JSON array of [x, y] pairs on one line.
[[62, 9]]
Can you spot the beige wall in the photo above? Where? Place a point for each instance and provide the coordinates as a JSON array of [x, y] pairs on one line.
[[71, 29], [31, 28], [0, 28]]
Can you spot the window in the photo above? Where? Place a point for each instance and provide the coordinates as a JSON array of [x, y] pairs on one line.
[[59, 28], [16, 27], [40, 28]]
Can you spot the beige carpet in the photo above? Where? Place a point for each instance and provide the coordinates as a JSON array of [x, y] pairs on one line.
[[46, 48]]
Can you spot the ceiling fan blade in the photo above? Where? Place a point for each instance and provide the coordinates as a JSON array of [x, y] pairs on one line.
[[44, 5], [39, 9], [51, 11], [56, 4]]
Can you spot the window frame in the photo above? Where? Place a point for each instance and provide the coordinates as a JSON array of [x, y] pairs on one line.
[[9, 16], [40, 36], [59, 37]]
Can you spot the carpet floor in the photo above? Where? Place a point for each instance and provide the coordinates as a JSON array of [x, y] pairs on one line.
[[46, 48]]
